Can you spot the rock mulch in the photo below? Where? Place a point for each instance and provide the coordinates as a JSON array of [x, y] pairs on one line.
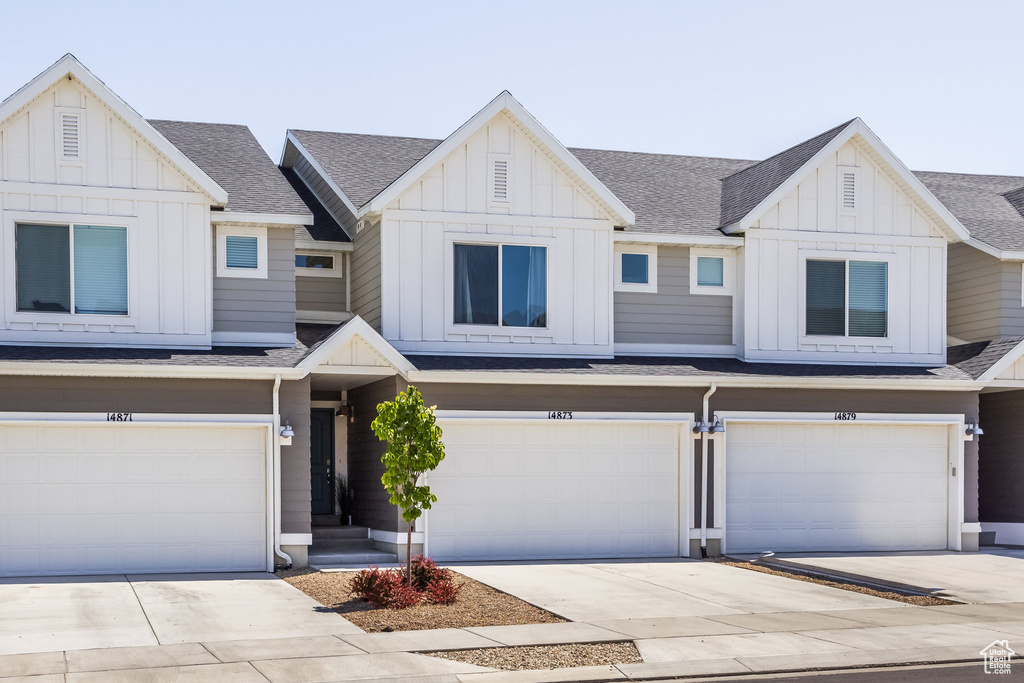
[[477, 605], [546, 656], [920, 600]]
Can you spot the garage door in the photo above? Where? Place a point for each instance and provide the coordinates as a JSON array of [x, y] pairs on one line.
[[103, 499], [805, 486], [511, 489]]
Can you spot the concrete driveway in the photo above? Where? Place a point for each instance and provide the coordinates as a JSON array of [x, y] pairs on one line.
[[76, 613], [677, 588], [992, 575]]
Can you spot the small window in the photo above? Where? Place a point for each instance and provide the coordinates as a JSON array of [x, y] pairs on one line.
[[636, 268], [318, 265], [522, 272], [46, 282], [241, 251], [847, 298], [710, 271]]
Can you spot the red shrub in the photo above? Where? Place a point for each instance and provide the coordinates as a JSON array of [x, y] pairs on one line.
[[443, 591], [385, 588]]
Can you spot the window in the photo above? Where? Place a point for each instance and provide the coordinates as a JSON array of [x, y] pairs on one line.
[[514, 275], [847, 298], [64, 269], [636, 268], [241, 251], [712, 271], [317, 265]]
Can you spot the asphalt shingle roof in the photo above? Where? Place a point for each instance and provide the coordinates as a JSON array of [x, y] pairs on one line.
[[976, 358], [989, 206], [234, 159], [324, 227]]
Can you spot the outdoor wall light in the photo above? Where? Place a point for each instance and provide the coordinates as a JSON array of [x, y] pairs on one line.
[[701, 427], [347, 410], [973, 429], [287, 431], [718, 427]]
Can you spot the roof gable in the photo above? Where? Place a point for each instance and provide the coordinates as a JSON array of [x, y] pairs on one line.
[[69, 67], [812, 154]]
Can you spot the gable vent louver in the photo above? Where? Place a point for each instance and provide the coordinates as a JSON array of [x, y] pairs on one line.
[[70, 138], [849, 190], [500, 180]]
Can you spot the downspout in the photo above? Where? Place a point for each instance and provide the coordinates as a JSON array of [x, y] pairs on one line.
[[277, 472], [704, 437]]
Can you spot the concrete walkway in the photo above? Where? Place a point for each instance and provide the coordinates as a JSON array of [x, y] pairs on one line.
[[671, 647], [76, 613], [992, 575]]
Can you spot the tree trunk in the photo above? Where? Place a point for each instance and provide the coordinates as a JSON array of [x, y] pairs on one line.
[[408, 554]]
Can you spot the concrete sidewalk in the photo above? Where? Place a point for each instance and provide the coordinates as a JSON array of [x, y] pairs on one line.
[[670, 647]]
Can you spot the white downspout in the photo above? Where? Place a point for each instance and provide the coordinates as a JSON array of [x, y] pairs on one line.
[[277, 472], [704, 475]]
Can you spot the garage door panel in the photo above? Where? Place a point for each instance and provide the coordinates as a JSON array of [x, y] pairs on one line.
[[798, 487], [562, 489]]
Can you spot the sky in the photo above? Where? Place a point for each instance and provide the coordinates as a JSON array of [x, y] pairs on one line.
[[937, 81]]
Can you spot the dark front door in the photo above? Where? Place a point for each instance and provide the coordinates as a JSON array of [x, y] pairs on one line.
[[321, 454]]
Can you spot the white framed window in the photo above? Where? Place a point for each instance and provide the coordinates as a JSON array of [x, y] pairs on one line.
[[69, 129], [502, 285], [845, 297], [499, 180], [317, 264], [636, 268], [72, 269], [712, 271], [241, 251], [848, 178]]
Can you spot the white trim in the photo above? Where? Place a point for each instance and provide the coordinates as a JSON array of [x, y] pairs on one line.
[[504, 102], [474, 217], [728, 257], [282, 339], [908, 182], [251, 218], [627, 237], [335, 271], [355, 327], [322, 316], [257, 231], [1007, 533], [325, 245], [1008, 359], [648, 250], [710, 532], [1005, 255], [296, 539], [45, 369], [970, 528], [396, 537], [542, 415], [955, 462], [681, 350], [68, 65]]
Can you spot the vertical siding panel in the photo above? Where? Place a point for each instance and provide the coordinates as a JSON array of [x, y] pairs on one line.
[[522, 180], [789, 210], [936, 289], [409, 275], [544, 190], [172, 281], [455, 180], [789, 295], [827, 187], [902, 215], [476, 169], [808, 195], [583, 305], [884, 208], [768, 327], [919, 327], [752, 305], [434, 315], [563, 285], [866, 198], [390, 281]]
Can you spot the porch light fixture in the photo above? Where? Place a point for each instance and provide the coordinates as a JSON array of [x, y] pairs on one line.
[[346, 409], [718, 427], [973, 429], [701, 427], [287, 431]]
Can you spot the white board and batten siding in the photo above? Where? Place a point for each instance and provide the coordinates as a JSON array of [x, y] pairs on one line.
[[812, 222], [114, 177], [452, 203]]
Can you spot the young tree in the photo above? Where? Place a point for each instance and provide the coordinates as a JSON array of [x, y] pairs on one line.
[[414, 447]]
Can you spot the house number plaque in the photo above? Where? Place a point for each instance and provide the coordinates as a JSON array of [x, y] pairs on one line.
[[119, 417], [559, 414], [846, 416]]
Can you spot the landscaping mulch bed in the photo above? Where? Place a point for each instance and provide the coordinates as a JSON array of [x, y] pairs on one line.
[[546, 656], [477, 605], [811, 577]]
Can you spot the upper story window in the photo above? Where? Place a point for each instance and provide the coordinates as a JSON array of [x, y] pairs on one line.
[[847, 298], [317, 265], [79, 269], [241, 251], [506, 283], [636, 268], [712, 271]]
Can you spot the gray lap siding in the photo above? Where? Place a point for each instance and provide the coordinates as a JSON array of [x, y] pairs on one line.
[[1001, 468]]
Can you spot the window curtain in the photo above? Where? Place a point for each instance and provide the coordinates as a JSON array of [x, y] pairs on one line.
[[43, 264], [826, 298], [524, 286], [101, 270], [476, 284], [869, 298]]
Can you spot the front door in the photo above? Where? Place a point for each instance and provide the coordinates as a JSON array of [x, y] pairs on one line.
[[321, 454]]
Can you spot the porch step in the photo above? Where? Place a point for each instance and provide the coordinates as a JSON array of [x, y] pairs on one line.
[[330, 559], [330, 533], [325, 520], [343, 545]]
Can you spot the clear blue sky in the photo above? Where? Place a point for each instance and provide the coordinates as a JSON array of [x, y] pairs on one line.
[[938, 81]]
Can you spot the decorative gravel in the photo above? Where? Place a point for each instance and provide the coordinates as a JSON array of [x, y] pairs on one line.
[[546, 656], [477, 605], [810, 577]]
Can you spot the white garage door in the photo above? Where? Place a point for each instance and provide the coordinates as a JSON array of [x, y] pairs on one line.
[[512, 489], [819, 487], [131, 498]]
